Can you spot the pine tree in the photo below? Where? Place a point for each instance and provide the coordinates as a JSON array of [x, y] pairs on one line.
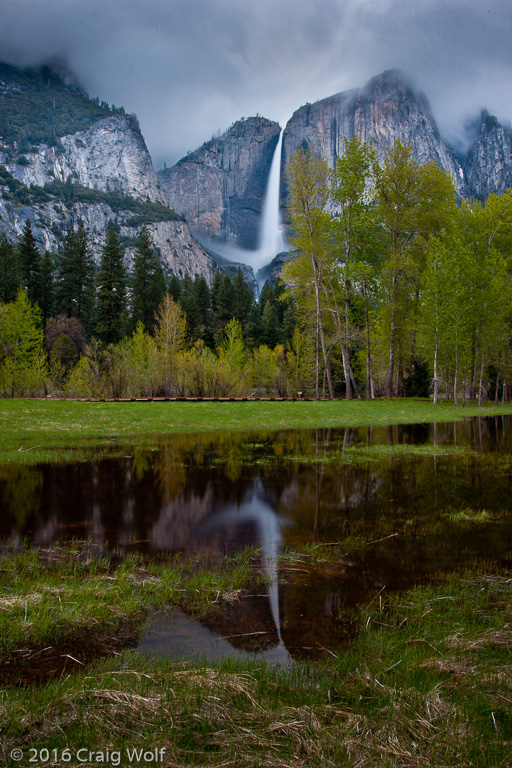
[[9, 272], [224, 306], [202, 300], [75, 292], [30, 264], [175, 287], [111, 306], [47, 293], [189, 306], [254, 328], [270, 325], [243, 297], [148, 282]]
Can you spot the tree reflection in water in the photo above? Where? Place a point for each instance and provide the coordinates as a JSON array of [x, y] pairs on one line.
[[218, 493]]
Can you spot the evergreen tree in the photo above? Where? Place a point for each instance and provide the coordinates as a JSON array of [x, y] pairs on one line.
[[202, 301], [189, 307], [254, 328], [29, 260], [224, 305], [270, 325], [75, 292], [174, 287], [243, 296], [111, 280], [9, 272], [288, 324], [47, 293], [148, 282]]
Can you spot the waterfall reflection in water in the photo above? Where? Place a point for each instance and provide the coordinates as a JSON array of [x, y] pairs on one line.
[[218, 493]]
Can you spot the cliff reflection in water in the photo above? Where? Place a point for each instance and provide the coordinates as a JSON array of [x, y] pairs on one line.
[[217, 493]]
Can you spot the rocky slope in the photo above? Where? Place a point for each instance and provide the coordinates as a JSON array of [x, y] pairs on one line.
[[220, 188], [46, 170], [110, 155], [488, 166], [384, 110], [179, 251]]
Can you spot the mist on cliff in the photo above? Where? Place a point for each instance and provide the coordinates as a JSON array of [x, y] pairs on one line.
[[189, 68]]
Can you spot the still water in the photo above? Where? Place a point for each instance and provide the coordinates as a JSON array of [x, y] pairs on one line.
[[410, 502]]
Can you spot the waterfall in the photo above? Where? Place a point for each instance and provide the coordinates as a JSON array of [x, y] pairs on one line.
[[272, 241], [271, 238]]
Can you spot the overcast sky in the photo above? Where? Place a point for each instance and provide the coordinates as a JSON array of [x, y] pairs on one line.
[[191, 67]]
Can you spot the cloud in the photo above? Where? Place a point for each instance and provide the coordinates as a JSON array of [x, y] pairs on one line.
[[190, 67]]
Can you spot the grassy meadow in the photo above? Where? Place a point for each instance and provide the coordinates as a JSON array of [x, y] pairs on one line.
[[423, 682], [33, 430], [426, 682]]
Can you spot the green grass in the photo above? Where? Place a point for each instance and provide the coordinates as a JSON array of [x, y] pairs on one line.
[[30, 430], [426, 683], [48, 597]]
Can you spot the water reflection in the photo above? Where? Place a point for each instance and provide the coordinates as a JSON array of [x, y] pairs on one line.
[[176, 635], [254, 513], [218, 493]]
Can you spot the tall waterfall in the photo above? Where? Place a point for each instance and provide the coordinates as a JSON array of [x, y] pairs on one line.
[[271, 238], [272, 241]]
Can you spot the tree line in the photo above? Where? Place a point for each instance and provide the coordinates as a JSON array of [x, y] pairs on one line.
[[395, 287], [71, 328], [401, 288]]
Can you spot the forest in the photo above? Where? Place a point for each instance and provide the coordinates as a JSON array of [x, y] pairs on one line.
[[394, 287]]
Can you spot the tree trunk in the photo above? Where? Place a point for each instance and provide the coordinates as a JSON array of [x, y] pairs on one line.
[[436, 380], [392, 341], [321, 331], [481, 380], [346, 372], [369, 383], [456, 378], [497, 381]]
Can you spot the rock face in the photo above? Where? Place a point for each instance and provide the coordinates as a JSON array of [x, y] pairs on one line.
[[271, 273], [220, 188], [110, 155], [179, 251], [384, 110], [488, 166]]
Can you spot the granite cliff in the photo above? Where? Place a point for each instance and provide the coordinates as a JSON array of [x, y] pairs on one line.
[[488, 165], [384, 110], [220, 188], [110, 156], [64, 157]]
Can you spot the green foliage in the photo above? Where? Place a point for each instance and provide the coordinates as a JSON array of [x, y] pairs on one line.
[[142, 362], [170, 334], [29, 260], [37, 107], [233, 356], [111, 282], [145, 212], [75, 277], [202, 374], [147, 281], [9, 271], [22, 359]]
